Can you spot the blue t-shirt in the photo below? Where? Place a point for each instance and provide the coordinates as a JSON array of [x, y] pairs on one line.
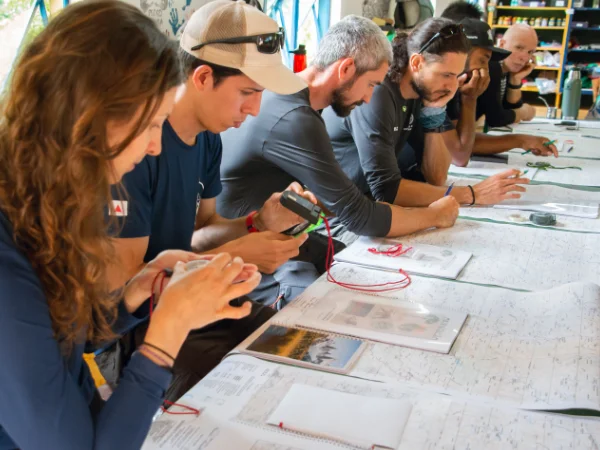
[[164, 192], [46, 395]]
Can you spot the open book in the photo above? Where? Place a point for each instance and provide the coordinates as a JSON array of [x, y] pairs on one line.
[[419, 259]]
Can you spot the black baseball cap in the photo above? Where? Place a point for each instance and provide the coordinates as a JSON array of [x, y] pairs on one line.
[[480, 34]]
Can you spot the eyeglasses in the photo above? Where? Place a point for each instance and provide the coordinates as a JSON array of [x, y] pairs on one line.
[[444, 33], [268, 43]]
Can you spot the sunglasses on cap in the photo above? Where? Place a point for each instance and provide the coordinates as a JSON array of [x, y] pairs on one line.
[[268, 43], [444, 33]]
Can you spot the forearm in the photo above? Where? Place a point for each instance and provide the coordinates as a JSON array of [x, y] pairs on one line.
[[513, 95], [119, 274], [410, 220], [217, 231], [489, 145], [414, 194], [436, 159], [461, 149]]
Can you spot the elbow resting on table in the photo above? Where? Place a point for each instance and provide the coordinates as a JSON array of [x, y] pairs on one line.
[[437, 179], [461, 160]]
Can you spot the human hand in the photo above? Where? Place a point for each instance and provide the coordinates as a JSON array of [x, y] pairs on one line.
[[196, 298], [445, 210], [479, 82], [139, 288], [273, 216], [499, 187], [517, 77], [440, 102], [267, 249], [537, 147]]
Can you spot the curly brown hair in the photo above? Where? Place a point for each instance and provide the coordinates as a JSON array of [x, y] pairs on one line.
[[97, 61]]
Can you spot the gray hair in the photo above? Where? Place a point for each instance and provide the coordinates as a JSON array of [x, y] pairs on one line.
[[357, 38]]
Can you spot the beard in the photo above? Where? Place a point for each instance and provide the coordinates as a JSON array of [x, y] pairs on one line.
[[339, 101], [427, 94]]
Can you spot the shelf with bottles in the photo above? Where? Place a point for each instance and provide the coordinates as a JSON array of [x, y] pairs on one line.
[[537, 28], [530, 8], [535, 22], [586, 5]]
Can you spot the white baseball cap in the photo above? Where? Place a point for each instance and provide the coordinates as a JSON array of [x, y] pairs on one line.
[[225, 20]]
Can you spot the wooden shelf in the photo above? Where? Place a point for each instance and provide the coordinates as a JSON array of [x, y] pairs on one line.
[[537, 28], [535, 8], [557, 46]]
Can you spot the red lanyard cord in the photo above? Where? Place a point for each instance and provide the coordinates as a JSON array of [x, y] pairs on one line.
[[383, 287]]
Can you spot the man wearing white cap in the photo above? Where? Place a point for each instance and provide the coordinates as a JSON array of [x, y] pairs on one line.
[[231, 53]]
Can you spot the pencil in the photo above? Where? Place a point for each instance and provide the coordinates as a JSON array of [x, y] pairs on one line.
[[549, 143], [449, 190]]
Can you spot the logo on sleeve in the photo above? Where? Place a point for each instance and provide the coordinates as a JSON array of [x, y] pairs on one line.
[[119, 208], [199, 196], [410, 123]]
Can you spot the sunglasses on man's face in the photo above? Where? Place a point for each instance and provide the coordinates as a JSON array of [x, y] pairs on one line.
[[268, 43], [444, 33]]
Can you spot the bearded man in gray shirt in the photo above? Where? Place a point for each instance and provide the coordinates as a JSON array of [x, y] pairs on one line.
[[288, 140]]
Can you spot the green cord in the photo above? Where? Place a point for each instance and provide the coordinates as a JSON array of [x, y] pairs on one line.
[[545, 166]]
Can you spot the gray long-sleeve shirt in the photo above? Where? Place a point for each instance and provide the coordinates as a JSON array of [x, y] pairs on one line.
[[288, 142], [369, 143]]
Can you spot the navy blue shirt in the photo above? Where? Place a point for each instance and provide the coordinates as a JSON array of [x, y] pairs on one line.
[[164, 192], [45, 396]]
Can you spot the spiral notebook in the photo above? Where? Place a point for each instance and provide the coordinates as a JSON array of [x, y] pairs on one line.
[[356, 421], [306, 348], [403, 323]]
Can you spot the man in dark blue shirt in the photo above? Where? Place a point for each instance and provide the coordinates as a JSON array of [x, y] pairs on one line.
[[171, 198]]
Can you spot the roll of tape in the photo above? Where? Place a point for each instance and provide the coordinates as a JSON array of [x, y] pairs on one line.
[[543, 218], [517, 218]]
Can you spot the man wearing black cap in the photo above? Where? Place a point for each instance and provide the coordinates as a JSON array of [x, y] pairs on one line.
[[467, 106]]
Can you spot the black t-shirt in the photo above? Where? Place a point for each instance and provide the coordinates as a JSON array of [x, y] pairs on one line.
[[367, 143], [493, 104], [288, 142]]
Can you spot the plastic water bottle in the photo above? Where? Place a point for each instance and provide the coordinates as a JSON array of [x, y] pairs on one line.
[[299, 58], [571, 95]]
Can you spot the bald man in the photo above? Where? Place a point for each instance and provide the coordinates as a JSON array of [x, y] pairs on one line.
[[502, 103]]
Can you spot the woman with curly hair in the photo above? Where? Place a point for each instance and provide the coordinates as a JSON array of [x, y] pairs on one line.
[[86, 103]]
